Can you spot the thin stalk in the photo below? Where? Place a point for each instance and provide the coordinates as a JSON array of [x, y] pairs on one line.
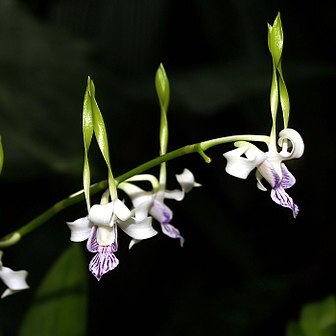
[[13, 237]]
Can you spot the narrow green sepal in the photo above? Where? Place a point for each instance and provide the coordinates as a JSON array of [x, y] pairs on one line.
[[284, 100], [274, 95], [87, 128], [162, 87], [275, 40], [99, 130], [163, 92]]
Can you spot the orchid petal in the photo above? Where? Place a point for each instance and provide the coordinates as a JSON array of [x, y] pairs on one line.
[[80, 229], [101, 214], [259, 178], [288, 179], [141, 211], [138, 230], [296, 142], [106, 236], [172, 232], [102, 236], [269, 172], [136, 194], [280, 197], [239, 166], [14, 280], [103, 262], [161, 212], [92, 244], [121, 210], [186, 180], [175, 194], [145, 177], [133, 242]]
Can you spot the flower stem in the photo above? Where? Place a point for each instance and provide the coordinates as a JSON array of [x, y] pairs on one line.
[[15, 236]]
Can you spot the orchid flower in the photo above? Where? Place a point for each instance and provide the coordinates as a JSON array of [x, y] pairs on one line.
[[269, 166], [14, 280], [99, 228], [152, 202]]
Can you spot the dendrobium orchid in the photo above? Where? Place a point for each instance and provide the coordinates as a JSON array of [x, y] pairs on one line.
[[152, 202], [99, 227], [14, 280], [242, 160]]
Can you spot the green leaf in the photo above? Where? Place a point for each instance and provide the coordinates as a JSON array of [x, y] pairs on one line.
[[60, 304], [319, 318], [294, 329]]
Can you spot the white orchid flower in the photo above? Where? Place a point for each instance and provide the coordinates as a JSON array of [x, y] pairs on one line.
[[99, 228], [14, 280], [152, 202], [269, 166]]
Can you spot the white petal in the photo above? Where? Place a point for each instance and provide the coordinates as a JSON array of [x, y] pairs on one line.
[[136, 194], [142, 210], [175, 194], [101, 214], [145, 177], [133, 242], [106, 236], [186, 180], [80, 229], [121, 210], [138, 229], [296, 141], [259, 178], [14, 280], [239, 166]]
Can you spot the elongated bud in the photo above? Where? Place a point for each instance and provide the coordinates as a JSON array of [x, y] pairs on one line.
[[275, 40], [162, 87]]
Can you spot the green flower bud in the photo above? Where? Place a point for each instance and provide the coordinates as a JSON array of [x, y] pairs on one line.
[[162, 87], [275, 40]]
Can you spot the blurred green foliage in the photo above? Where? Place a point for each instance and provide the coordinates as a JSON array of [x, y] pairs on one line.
[[316, 319], [60, 303]]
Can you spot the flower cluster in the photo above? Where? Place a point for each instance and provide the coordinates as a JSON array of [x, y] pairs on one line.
[[269, 166], [135, 210], [100, 226]]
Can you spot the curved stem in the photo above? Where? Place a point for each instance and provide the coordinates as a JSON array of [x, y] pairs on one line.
[[13, 237]]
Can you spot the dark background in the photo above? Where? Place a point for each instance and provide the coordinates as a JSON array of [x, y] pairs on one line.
[[247, 266]]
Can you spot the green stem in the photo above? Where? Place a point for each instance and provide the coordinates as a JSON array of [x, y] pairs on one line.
[[13, 237]]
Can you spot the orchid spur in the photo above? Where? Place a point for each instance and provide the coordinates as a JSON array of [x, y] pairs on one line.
[[152, 202], [242, 160], [14, 280]]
